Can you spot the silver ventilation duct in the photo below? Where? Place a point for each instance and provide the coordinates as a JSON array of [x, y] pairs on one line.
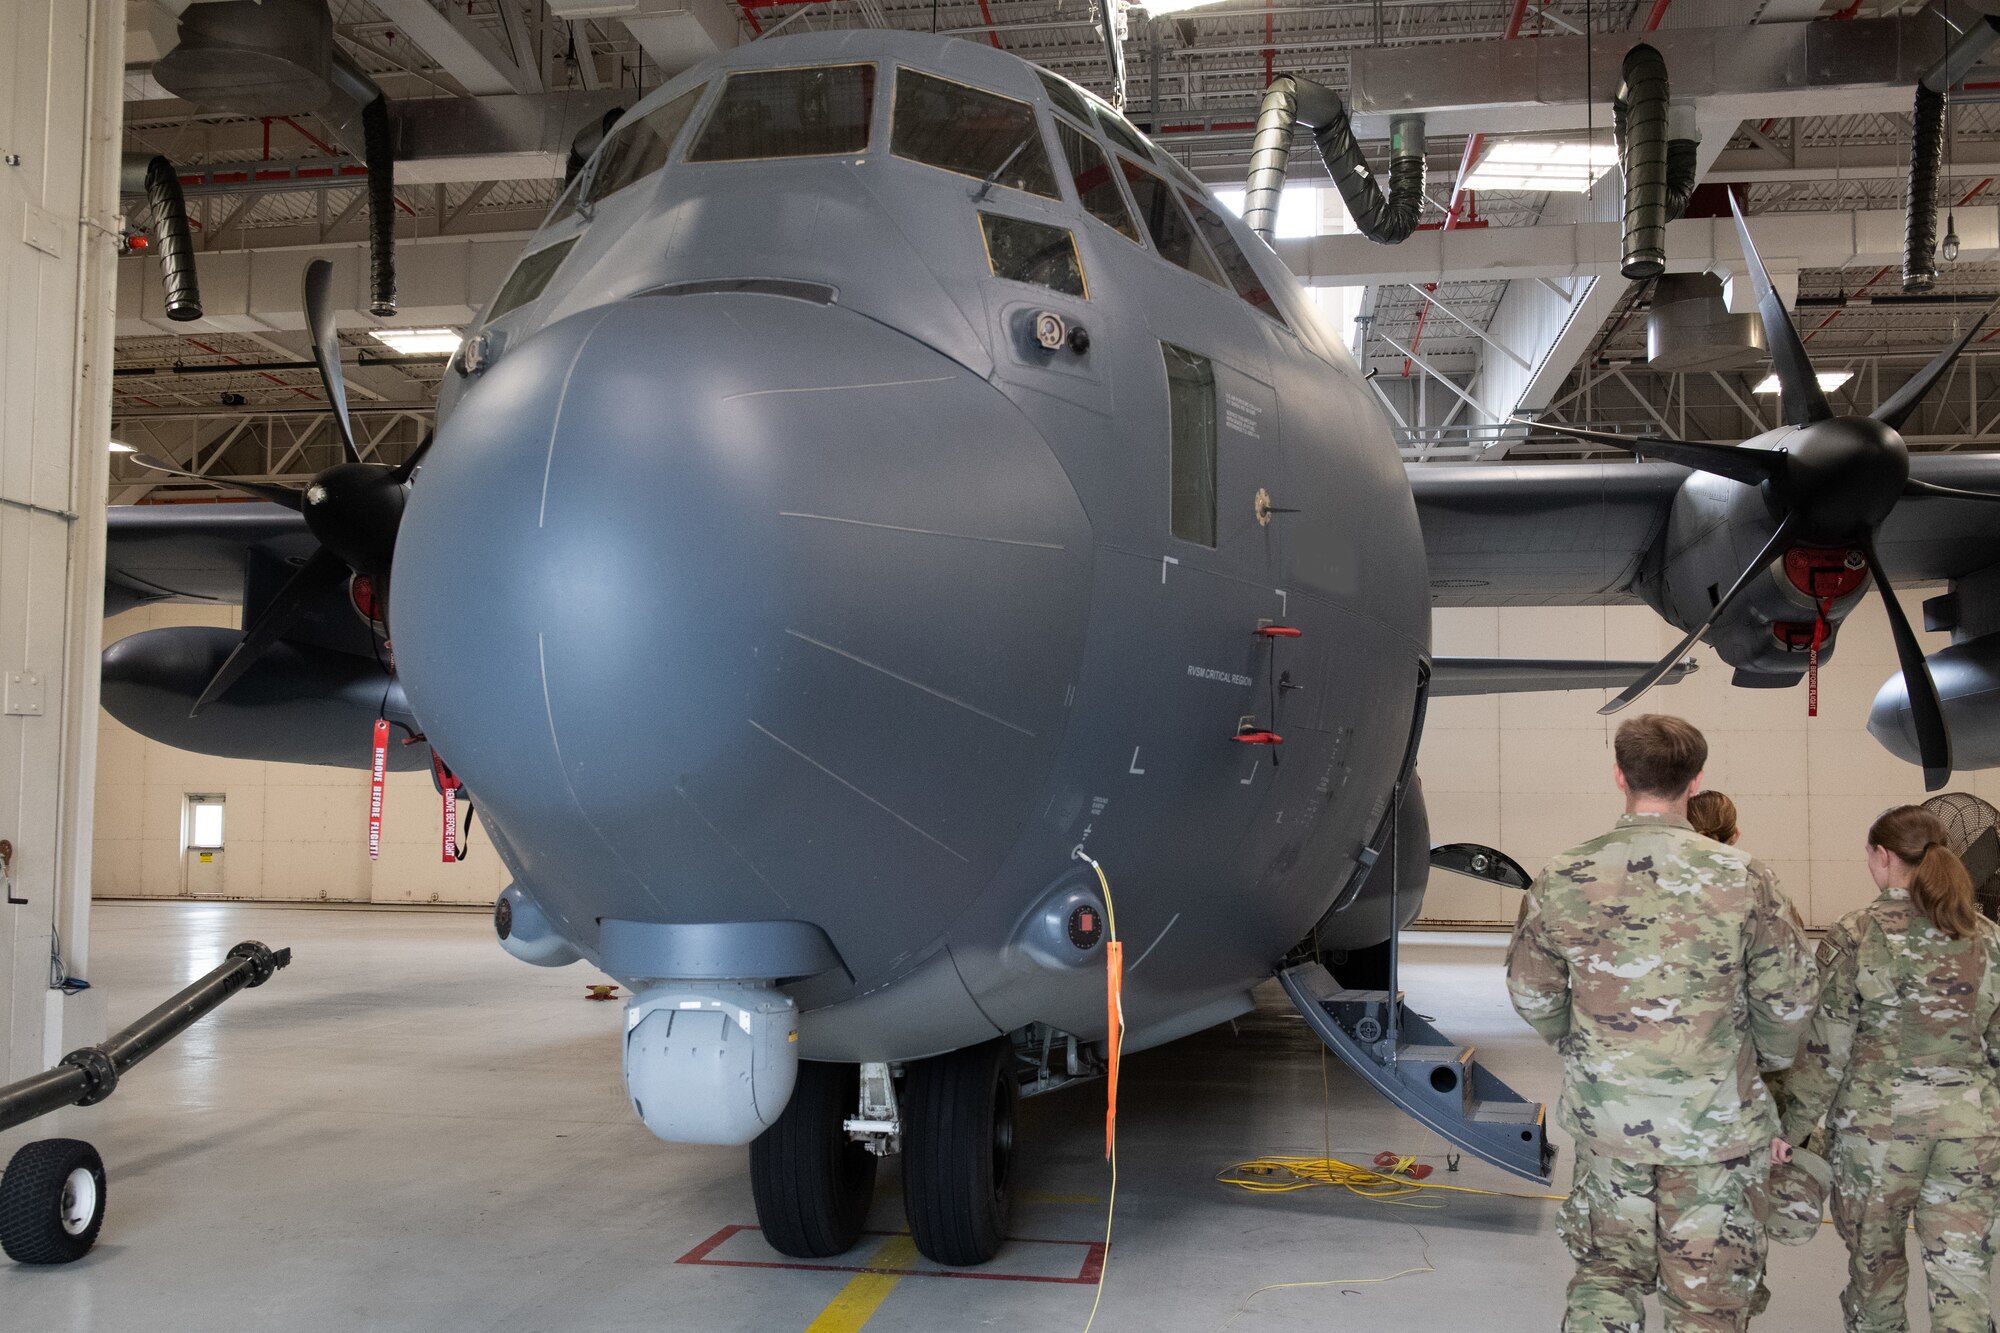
[[1293, 99], [1689, 328]]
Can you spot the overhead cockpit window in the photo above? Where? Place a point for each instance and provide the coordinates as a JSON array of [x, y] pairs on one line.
[[1172, 233], [1230, 255], [1024, 251], [1095, 188], [1122, 133], [1191, 420], [974, 133], [532, 274], [1065, 95], [638, 148], [819, 111]]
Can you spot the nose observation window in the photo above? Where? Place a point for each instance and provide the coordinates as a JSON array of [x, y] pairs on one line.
[[532, 274], [1191, 422], [1172, 233], [819, 111], [638, 148], [1095, 188], [1234, 262], [972, 132], [1024, 251]]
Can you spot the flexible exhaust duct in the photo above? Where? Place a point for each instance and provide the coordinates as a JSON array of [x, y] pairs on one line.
[[381, 207], [1920, 237], [161, 183], [1292, 99], [1659, 168]]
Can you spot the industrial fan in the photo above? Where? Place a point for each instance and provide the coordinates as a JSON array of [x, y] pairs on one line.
[[1972, 830]]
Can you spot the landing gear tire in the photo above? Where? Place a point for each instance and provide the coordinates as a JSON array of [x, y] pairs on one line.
[[51, 1202], [813, 1184], [958, 1152]]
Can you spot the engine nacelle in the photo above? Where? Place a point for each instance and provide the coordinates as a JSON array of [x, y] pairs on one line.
[[1968, 684]]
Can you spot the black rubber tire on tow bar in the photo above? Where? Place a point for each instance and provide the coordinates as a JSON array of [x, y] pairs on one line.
[[958, 1152], [51, 1202], [813, 1184]]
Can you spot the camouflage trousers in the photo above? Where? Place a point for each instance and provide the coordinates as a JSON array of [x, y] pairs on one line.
[[1950, 1186], [1691, 1232]]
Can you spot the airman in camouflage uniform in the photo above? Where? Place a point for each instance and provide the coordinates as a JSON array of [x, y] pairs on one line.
[[1901, 1059], [1662, 965]]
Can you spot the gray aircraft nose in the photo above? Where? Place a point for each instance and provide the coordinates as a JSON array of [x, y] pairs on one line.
[[741, 607]]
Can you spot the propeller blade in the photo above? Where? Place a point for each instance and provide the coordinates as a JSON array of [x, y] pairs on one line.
[[1749, 466], [408, 467], [323, 572], [1779, 540], [1933, 737], [283, 495], [1896, 408], [1804, 401], [326, 349], [1931, 488]]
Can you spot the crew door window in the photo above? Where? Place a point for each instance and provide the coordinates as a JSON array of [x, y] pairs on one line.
[[819, 111], [970, 131], [1173, 235], [637, 149], [1191, 422], [1096, 189]]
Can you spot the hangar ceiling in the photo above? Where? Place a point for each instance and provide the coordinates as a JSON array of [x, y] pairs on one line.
[[227, 396]]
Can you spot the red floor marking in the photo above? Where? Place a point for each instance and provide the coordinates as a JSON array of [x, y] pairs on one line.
[[1087, 1275]]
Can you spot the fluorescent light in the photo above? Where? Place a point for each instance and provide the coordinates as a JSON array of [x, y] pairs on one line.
[[1537, 164], [120, 447], [415, 342], [1829, 380]]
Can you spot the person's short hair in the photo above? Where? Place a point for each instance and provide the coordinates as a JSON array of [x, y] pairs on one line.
[[1713, 815], [1659, 755]]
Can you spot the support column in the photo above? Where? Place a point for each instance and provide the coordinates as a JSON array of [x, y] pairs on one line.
[[59, 154]]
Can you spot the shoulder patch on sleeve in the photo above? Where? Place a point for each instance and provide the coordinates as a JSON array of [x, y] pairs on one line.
[[1830, 949]]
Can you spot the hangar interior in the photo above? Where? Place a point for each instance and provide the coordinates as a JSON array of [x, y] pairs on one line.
[[411, 1129]]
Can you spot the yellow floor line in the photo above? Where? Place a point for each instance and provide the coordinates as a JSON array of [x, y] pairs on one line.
[[864, 1293]]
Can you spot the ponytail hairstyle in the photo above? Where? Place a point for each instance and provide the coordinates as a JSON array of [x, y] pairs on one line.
[[1713, 815], [1939, 886]]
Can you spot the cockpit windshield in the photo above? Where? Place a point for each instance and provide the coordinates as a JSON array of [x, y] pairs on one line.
[[638, 148], [970, 131], [816, 111]]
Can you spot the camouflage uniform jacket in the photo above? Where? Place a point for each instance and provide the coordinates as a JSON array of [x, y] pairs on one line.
[[1663, 967], [1906, 1040]]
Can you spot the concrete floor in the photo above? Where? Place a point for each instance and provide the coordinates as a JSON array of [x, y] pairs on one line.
[[410, 1130]]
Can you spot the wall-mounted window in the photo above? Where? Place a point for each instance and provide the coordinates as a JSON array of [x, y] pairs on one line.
[[1234, 263], [532, 274], [1024, 251], [638, 148], [819, 111], [970, 131], [1172, 233], [1096, 188], [203, 821], [1191, 422]]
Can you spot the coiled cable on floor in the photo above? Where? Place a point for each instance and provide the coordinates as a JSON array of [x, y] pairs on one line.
[[1282, 1175]]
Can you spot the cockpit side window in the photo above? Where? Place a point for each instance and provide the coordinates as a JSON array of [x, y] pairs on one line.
[[1024, 251], [1096, 189], [528, 279], [970, 131], [816, 111], [1173, 235], [1064, 94], [1230, 255], [1121, 133], [638, 148]]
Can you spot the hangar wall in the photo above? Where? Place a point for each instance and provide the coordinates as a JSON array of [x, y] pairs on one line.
[[291, 832], [1531, 773]]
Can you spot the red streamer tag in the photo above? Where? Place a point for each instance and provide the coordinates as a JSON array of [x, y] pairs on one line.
[[378, 774], [449, 786], [1114, 998], [1812, 664]]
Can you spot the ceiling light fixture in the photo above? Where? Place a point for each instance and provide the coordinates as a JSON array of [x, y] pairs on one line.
[[1533, 163], [120, 447], [1829, 380], [417, 342]]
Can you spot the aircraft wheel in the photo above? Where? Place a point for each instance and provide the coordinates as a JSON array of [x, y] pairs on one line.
[[51, 1202], [958, 1152], [811, 1182]]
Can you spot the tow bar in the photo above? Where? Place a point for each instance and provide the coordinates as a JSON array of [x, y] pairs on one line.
[[52, 1195]]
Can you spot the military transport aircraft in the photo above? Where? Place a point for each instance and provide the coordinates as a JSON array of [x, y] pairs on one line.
[[892, 537]]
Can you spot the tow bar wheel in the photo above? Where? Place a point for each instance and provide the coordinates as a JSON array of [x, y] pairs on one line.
[[51, 1202]]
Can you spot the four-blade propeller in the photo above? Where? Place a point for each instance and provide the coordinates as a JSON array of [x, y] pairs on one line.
[[354, 507], [1831, 484]]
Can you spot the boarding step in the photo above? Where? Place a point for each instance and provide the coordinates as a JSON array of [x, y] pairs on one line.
[[1431, 1078]]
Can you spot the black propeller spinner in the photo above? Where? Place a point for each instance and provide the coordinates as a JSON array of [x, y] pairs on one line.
[[354, 508], [1832, 485]]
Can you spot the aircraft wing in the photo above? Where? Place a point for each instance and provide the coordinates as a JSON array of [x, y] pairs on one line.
[[193, 553], [1578, 534]]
